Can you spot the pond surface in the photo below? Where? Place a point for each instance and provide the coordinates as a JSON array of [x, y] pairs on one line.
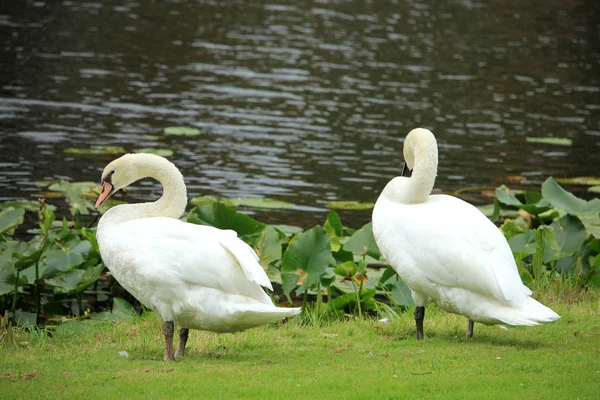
[[306, 102]]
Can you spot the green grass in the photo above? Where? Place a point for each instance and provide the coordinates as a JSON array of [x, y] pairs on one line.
[[353, 359]]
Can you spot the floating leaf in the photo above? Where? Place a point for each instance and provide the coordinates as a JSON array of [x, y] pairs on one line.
[[203, 200], [98, 150], [158, 152], [550, 140], [181, 130], [259, 202], [349, 205], [594, 189], [236, 202], [580, 180], [152, 137]]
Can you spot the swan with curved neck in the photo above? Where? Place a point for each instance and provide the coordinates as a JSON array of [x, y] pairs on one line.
[[446, 250], [198, 277]]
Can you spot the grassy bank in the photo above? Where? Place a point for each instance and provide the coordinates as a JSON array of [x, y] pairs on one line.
[[357, 358]]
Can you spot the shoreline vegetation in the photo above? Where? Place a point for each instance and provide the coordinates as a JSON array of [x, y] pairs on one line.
[[57, 274]]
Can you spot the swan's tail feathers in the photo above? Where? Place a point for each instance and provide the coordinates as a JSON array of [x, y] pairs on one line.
[[532, 313], [259, 314], [246, 258]]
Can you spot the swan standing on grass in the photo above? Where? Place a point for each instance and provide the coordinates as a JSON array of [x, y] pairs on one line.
[[195, 276], [447, 250]]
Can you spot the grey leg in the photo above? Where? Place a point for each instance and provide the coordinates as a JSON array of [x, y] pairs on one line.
[[168, 328], [419, 317], [183, 337], [470, 328]]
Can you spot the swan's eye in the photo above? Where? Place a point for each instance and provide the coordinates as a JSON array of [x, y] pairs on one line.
[[108, 177]]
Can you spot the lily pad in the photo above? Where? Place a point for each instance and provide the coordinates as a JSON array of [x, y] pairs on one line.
[[181, 131], [260, 202], [580, 180], [158, 152], [594, 189], [152, 137], [98, 150], [255, 202], [550, 140], [349, 205]]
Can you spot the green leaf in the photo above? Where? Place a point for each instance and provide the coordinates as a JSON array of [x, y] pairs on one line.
[[505, 196], [570, 233], [98, 150], [27, 260], [401, 294], [540, 244], [257, 202], [10, 218], [181, 131], [223, 217], [580, 180], [363, 242], [388, 274], [594, 189], [61, 260], [305, 260], [66, 282], [523, 242], [510, 228], [158, 152], [254, 202], [76, 193], [203, 200], [268, 245], [349, 205], [562, 199], [550, 140], [29, 205], [121, 311], [288, 230], [333, 226], [7, 274]]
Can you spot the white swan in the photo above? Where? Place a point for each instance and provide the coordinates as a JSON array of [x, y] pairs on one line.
[[447, 250], [195, 276]]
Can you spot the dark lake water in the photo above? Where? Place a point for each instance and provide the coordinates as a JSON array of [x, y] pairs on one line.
[[304, 101]]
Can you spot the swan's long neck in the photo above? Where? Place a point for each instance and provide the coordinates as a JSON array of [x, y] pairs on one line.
[[421, 155], [171, 204]]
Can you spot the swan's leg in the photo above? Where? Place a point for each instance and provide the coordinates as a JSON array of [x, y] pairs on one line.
[[183, 337], [470, 328], [419, 317], [168, 328]]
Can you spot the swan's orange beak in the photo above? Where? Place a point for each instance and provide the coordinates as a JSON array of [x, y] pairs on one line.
[[107, 190]]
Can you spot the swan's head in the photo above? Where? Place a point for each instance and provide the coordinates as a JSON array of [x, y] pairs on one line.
[[417, 140], [118, 174]]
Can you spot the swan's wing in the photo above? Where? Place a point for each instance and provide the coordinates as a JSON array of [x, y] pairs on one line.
[[448, 242], [246, 258], [167, 251]]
